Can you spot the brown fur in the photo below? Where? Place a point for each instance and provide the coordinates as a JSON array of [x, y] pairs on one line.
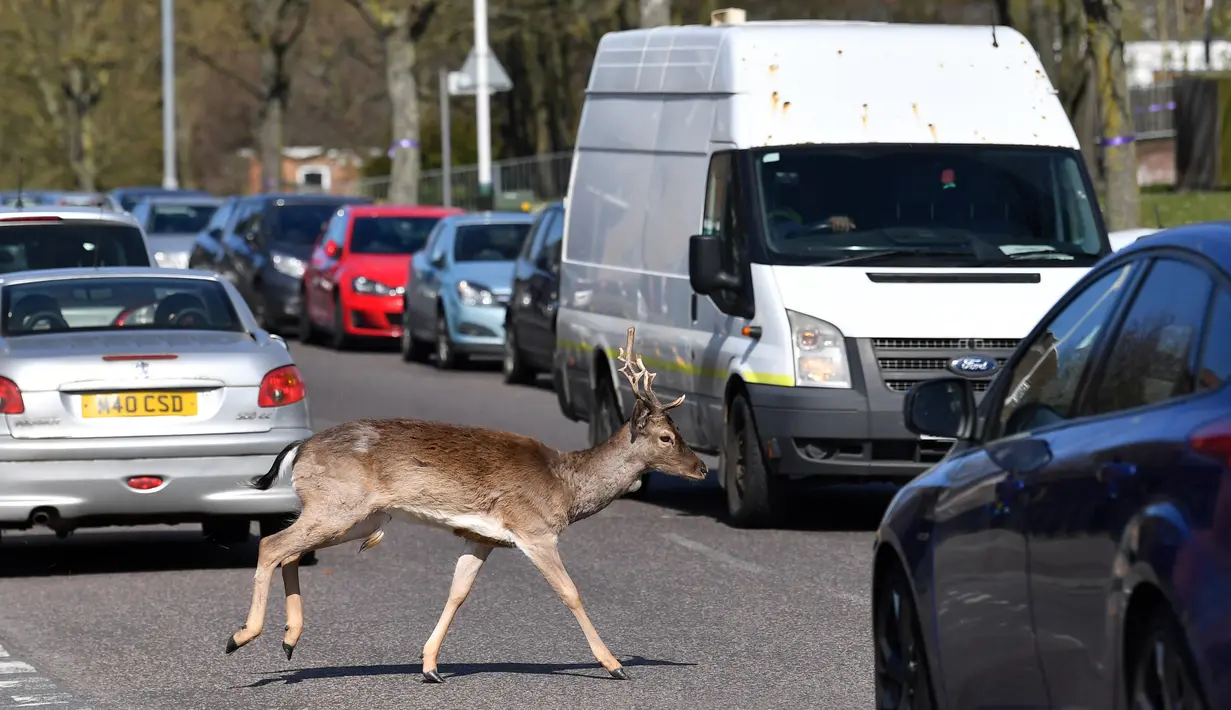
[[491, 488]]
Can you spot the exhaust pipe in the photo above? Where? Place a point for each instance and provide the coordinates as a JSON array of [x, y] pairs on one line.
[[42, 517]]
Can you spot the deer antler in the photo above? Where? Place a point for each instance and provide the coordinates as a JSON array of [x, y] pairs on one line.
[[642, 380]]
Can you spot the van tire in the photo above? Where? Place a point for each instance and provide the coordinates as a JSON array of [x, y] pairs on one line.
[[752, 497]]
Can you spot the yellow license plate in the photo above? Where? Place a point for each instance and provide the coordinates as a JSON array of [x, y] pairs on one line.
[[139, 404]]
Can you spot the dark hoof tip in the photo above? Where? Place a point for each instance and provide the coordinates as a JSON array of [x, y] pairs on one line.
[[432, 676], [288, 649], [232, 647], [618, 673]]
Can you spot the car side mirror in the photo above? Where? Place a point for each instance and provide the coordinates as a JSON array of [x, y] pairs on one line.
[[705, 273], [1020, 456], [438, 261], [216, 234], [943, 408]]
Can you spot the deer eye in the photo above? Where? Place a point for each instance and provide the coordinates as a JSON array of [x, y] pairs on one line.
[[665, 438]]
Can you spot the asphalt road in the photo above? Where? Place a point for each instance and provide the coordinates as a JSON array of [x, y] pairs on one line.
[[700, 614]]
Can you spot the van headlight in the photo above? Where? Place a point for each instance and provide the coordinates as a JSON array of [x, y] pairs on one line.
[[819, 351]]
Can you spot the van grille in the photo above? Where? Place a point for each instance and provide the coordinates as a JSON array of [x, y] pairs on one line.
[[904, 362]]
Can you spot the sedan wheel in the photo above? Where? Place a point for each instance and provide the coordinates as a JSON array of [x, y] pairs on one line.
[[514, 368], [413, 349], [1163, 673], [307, 330], [447, 358], [338, 339], [902, 679]]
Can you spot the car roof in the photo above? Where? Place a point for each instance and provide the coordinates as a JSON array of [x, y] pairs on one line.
[[299, 198], [182, 198], [491, 218], [404, 210], [1210, 238], [64, 212], [38, 275]]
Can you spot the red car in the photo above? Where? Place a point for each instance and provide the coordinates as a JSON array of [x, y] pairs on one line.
[[354, 281]]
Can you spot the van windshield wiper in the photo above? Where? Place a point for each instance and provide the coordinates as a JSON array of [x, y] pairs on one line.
[[869, 255]]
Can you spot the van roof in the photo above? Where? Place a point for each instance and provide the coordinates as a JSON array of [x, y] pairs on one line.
[[817, 81]]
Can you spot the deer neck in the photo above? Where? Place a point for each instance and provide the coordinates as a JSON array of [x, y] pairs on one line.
[[597, 476]]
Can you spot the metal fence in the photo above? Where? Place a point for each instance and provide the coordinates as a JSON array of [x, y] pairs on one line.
[[544, 178], [516, 183], [1153, 111]]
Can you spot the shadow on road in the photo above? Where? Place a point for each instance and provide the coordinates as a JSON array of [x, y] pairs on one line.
[[112, 552], [840, 508], [457, 670]]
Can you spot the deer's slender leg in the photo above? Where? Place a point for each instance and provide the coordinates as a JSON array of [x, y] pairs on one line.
[[547, 558], [464, 574], [294, 605], [311, 531]]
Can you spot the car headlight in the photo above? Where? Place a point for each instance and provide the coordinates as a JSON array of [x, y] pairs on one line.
[[172, 259], [364, 285], [473, 294], [287, 264], [819, 351]]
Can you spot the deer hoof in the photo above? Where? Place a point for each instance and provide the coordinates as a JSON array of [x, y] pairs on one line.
[[618, 673], [432, 676], [288, 649], [232, 647]]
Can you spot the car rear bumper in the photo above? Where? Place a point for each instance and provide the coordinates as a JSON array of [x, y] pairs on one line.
[[84, 483]]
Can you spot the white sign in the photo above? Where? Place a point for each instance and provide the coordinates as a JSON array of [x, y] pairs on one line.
[[464, 82]]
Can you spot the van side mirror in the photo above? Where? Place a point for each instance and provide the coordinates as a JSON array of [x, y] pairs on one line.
[[943, 408], [705, 272]]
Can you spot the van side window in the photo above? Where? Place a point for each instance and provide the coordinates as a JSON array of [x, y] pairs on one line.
[[716, 194]]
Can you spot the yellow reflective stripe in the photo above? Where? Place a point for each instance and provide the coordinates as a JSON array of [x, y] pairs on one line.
[[661, 364]]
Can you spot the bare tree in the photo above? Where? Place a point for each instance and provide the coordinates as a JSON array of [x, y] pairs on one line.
[[1104, 28], [400, 24], [274, 26]]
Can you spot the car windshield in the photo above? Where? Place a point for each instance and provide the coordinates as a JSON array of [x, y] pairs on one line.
[[948, 205], [301, 223], [172, 218], [490, 242], [116, 303], [390, 235], [70, 243]]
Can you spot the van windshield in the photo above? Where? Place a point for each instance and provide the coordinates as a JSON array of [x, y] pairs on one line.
[[967, 205]]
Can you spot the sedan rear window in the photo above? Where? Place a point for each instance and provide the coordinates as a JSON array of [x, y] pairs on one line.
[[490, 242], [68, 244], [116, 303]]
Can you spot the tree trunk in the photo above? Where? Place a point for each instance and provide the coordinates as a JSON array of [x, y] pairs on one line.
[[271, 145], [1043, 36], [404, 101], [655, 13], [1122, 209]]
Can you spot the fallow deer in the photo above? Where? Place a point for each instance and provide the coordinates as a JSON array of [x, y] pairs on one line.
[[491, 488]]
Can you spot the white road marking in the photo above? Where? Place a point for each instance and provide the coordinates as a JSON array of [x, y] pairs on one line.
[[716, 555], [20, 687]]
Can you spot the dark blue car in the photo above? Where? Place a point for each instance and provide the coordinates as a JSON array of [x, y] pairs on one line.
[[1074, 547]]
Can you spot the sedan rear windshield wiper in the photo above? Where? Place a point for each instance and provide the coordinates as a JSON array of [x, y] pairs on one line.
[[867, 256]]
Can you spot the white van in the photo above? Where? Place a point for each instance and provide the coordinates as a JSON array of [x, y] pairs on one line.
[[874, 205]]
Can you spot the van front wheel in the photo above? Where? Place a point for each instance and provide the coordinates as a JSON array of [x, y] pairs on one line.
[[751, 491]]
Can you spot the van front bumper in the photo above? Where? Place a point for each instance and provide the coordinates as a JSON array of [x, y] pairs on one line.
[[809, 432]]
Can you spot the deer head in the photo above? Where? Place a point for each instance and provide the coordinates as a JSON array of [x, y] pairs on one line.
[[651, 433]]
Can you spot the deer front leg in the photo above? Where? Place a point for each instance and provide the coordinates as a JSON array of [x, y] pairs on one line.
[[547, 558], [294, 605], [464, 574]]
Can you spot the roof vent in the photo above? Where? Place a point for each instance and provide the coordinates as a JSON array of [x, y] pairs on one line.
[[728, 16]]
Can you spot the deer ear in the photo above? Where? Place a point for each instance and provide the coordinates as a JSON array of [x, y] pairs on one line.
[[641, 419]]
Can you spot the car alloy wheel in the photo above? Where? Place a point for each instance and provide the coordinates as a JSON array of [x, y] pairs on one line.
[[902, 680], [1163, 674]]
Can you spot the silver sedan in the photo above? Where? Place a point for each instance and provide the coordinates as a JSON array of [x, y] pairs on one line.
[[138, 395]]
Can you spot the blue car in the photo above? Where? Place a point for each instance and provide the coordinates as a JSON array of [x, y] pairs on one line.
[[1073, 548], [458, 287]]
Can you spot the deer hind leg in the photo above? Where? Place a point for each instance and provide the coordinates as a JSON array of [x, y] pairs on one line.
[[547, 558], [313, 530], [464, 574]]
